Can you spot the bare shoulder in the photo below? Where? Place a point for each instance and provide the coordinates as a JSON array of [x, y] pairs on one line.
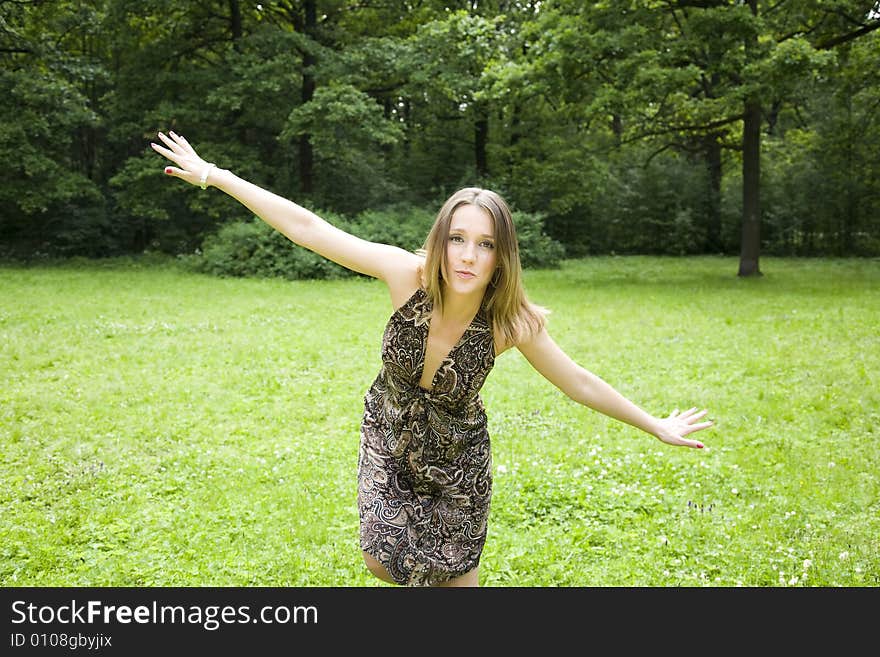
[[501, 343], [403, 276], [533, 343]]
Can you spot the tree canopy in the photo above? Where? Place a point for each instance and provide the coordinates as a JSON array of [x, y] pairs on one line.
[[645, 126]]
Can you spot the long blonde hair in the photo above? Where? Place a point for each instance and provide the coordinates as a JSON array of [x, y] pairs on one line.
[[509, 310]]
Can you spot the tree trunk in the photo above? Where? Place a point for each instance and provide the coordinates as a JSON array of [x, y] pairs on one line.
[[235, 24], [750, 246], [712, 151], [515, 122], [407, 129], [306, 155], [617, 129], [481, 139]]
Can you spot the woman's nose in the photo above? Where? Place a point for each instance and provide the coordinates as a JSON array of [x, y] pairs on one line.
[[467, 253]]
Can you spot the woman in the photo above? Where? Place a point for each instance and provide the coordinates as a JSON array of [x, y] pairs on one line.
[[424, 466]]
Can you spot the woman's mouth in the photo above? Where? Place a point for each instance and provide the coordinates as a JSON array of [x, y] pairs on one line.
[[465, 274]]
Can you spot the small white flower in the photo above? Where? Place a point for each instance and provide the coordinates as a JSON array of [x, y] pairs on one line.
[[807, 564], [844, 556], [664, 540], [734, 491], [502, 469], [793, 581]]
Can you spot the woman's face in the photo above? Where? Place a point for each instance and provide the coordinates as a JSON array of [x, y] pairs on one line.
[[470, 250]]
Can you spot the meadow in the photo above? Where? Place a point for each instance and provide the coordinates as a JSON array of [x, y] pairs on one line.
[[165, 428]]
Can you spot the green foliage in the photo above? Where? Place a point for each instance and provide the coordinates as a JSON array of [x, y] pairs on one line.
[[400, 225], [43, 113], [536, 249], [339, 120], [638, 207], [253, 248], [557, 103]]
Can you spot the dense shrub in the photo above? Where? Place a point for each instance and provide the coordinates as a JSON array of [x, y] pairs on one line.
[[536, 248], [401, 225], [253, 248]]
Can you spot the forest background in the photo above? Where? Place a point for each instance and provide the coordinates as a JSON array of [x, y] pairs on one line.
[[651, 127]]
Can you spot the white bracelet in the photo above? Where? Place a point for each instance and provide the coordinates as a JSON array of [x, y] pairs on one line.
[[203, 181]]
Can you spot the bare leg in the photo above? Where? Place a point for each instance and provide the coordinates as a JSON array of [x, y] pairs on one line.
[[470, 578], [377, 569]]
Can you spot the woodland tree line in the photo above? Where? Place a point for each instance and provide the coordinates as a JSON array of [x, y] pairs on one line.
[[641, 126]]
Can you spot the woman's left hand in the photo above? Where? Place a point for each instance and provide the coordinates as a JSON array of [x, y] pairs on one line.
[[673, 429], [190, 167]]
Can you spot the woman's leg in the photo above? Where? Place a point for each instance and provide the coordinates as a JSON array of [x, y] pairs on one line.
[[376, 568], [470, 578]]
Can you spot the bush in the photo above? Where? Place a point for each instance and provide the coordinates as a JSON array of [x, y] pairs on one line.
[[536, 248], [405, 226], [253, 248]]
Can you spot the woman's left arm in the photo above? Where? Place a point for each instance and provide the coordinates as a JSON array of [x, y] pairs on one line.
[[588, 389]]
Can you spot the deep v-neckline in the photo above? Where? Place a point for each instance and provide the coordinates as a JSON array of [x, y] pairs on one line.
[[456, 344]]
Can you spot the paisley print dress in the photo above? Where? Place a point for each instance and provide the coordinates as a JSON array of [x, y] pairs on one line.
[[424, 464]]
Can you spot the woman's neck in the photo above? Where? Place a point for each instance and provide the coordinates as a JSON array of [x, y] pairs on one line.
[[460, 308]]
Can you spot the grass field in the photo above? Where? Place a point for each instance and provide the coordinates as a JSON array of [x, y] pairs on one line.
[[162, 428]]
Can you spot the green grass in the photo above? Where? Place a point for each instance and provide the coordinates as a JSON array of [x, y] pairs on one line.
[[161, 428]]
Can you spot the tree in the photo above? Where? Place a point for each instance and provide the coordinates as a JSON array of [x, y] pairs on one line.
[[683, 74]]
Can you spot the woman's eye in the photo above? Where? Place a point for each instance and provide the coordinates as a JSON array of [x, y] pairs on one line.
[[488, 245], [455, 238]]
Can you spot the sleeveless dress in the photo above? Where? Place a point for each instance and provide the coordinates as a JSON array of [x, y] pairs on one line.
[[424, 464]]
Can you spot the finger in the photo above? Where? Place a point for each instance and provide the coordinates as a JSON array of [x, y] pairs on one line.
[[174, 157], [696, 416], [674, 413], [174, 171], [688, 412], [681, 441], [173, 145], [691, 428], [164, 151], [181, 140]]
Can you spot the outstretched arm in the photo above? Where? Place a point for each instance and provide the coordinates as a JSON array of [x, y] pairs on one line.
[[588, 389], [389, 263]]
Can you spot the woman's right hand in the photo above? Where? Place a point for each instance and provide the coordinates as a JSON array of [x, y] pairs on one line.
[[190, 167]]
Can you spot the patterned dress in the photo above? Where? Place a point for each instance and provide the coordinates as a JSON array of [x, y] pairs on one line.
[[424, 465]]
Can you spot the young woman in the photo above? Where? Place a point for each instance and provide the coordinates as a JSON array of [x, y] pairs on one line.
[[424, 465]]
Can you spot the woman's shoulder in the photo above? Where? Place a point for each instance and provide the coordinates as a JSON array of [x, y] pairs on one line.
[[407, 283], [520, 329]]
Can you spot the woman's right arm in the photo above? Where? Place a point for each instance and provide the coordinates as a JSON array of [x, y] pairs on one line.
[[396, 266]]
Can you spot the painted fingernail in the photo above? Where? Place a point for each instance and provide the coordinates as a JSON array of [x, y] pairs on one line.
[[167, 169], [699, 445]]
